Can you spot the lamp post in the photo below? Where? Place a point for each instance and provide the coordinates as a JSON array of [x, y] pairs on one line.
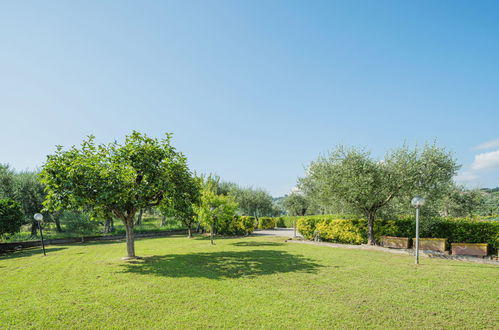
[[417, 202], [39, 218]]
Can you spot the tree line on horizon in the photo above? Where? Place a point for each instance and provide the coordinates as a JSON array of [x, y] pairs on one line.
[[121, 181]]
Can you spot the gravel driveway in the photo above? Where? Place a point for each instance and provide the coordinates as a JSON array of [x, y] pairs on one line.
[[283, 232]]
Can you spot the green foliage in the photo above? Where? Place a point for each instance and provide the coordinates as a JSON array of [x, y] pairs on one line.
[[285, 221], [490, 204], [26, 189], [251, 202], [237, 225], [216, 211], [266, 223], [11, 216], [119, 179], [182, 202], [354, 230], [78, 222], [296, 204], [29, 191], [351, 178], [343, 231], [6, 181]]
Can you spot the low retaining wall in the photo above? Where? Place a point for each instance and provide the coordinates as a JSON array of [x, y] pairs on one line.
[[9, 247], [490, 261], [395, 242]]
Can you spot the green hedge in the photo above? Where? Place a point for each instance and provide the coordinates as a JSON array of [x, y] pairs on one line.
[[239, 225], [266, 223], [289, 220], [354, 231], [285, 222]]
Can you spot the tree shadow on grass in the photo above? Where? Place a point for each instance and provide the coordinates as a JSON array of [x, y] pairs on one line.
[[223, 265], [29, 252]]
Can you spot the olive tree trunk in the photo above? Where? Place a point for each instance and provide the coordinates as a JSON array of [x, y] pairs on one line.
[[370, 228]]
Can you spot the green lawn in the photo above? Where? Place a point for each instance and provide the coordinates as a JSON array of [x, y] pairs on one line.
[[241, 283]]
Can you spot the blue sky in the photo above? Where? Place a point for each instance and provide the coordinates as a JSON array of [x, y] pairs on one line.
[[253, 90]]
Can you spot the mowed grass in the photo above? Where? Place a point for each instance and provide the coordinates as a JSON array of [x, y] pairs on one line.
[[241, 283]]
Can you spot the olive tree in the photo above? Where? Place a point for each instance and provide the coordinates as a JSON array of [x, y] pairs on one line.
[[367, 185], [296, 204], [29, 192], [118, 179]]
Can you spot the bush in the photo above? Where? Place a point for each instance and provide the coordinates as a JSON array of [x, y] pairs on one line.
[[238, 225], [266, 223], [343, 231], [11, 216], [354, 231], [285, 222]]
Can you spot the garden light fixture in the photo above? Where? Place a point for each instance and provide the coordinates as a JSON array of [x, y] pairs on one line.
[[417, 202], [39, 218]]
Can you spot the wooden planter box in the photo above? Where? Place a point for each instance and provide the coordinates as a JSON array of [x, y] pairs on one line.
[[431, 244], [470, 249], [395, 242]]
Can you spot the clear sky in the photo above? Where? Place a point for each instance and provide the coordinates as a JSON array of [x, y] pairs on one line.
[[253, 90]]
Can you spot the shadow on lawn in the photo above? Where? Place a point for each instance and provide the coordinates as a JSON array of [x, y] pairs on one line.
[[222, 265], [29, 252]]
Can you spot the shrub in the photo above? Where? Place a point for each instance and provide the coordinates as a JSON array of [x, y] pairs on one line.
[[266, 223], [285, 222], [247, 224], [307, 226], [238, 225], [343, 231], [354, 230], [11, 216]]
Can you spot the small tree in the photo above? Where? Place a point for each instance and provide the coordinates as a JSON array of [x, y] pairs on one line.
[[214, 206], [11, 216], [185, 198], [368, 185], [119, 179]]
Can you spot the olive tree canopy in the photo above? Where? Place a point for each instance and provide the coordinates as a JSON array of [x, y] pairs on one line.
[[366, 185]]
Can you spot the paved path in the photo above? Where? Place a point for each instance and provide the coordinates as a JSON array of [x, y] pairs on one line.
[[283, 232]]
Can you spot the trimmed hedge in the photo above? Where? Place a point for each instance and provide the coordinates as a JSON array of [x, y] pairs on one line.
[[289, 220], [354, 231], [285, 222], [239, 225], [266, 223]]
